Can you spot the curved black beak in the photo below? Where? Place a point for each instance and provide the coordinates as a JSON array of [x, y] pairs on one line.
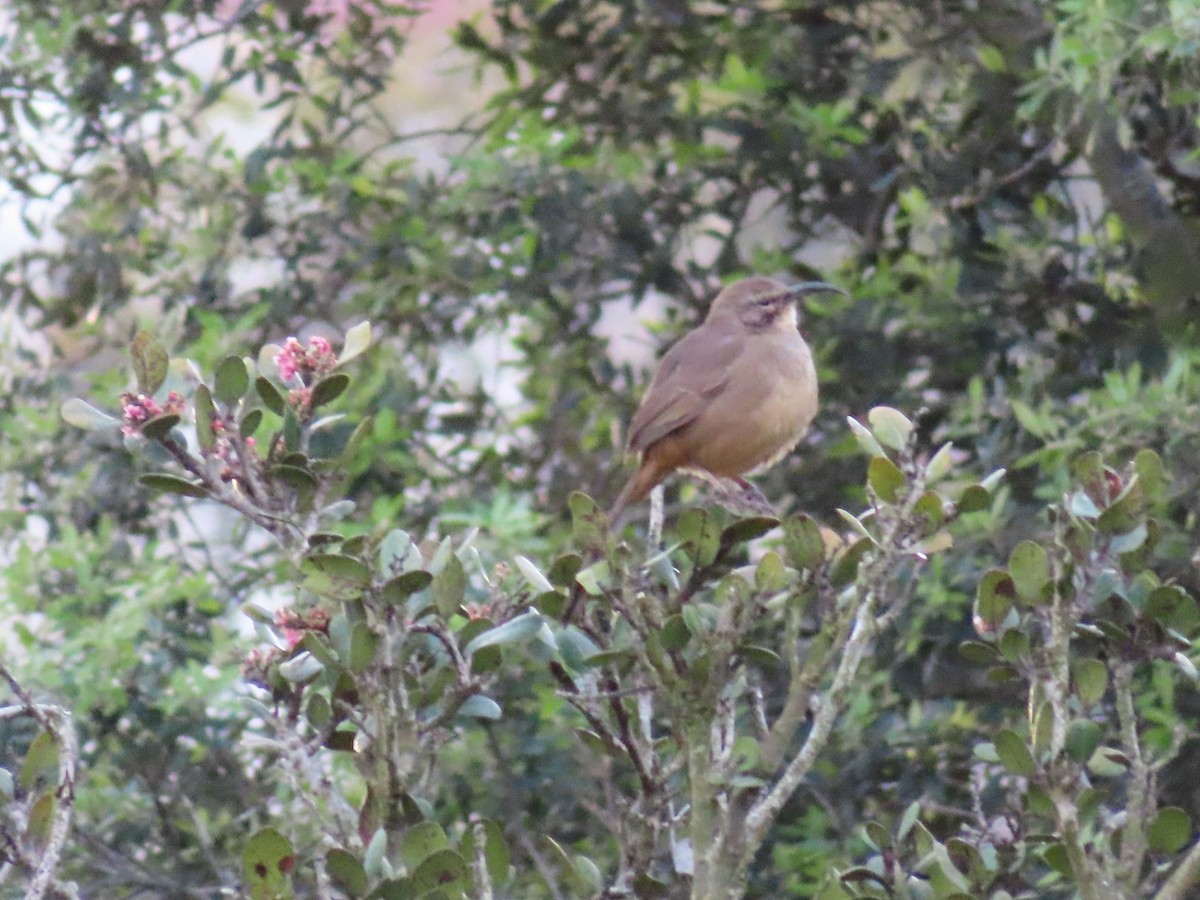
[[796, 291]]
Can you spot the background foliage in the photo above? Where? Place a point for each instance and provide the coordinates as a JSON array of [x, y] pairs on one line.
[[1008, 190]]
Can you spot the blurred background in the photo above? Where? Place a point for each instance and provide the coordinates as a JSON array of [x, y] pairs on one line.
[[530, 201]]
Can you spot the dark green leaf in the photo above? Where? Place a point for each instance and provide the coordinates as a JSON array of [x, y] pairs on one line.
[[1030, 570], [449, 586], [400, 588], [346, 871], [166, 483], [1083, 737], [747, 529], [160, 426], [803, 542], [329, 388], [1014, 754], [443, 869], [270, 395], [1170, 831]]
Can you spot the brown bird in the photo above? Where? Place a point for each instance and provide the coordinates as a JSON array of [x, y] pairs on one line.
[[733, 396]]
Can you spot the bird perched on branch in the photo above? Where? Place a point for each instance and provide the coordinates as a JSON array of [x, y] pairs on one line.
[[733, 396]]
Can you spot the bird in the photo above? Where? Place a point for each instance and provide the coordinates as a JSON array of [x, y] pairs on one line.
[[732, 397]]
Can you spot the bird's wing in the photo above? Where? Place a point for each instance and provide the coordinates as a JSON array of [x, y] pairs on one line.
[[691, 373]]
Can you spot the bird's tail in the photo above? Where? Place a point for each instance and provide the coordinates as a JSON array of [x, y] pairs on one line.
[[641, 483]]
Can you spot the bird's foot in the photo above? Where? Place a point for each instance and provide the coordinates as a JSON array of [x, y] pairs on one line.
[[742, 498]]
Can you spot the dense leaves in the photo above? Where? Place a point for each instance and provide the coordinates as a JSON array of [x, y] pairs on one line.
[[333, 612]]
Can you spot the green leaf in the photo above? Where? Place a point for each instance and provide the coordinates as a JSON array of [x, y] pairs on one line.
[[450, 586], [40, 768], [674, 633], [747, 529], [294, 477], [1149, 468], [166, 483], [400, 588], [595, 578], [1083, 737], [1126, 511], [533, 575], [978, 652], [1091, 680], [1170, 831], [1014, 754], [363, 644], [301, 668], [420, 842], [939, 466], [329, 388], [1087, 470], [444, 869], [770, 575], [803, 542], [520, 628], [83, 415], [150, 362], [339, 567], [204, 419], [1030, 570], [890, 426], [990, 58], [159, 427], [478, 706], [973, 499], [993, 600], [357, 438], [866, 440], [231, 380], [564, 569], [358, 339], [1038, 424], [250, 423], [589, 524], [346, 871], [885, 478], [856, 525], [700, 534], [268, 863], [270, 395]]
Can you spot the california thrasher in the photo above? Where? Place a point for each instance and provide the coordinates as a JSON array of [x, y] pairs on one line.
[[733, 396]]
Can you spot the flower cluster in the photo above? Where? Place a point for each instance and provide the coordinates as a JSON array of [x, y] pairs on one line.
[[256, 668], [294, 624], [294, 360], [138, 409], [224, 448]]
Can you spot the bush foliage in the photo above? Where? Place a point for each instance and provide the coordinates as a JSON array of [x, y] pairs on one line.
[[295, 608]]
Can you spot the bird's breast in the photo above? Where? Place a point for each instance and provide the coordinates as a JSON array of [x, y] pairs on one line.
[[765, 407]]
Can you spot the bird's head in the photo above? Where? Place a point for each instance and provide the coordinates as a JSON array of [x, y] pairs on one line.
[[764, 304]]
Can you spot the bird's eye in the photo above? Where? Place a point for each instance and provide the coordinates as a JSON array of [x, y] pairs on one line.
[[765, 301]]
